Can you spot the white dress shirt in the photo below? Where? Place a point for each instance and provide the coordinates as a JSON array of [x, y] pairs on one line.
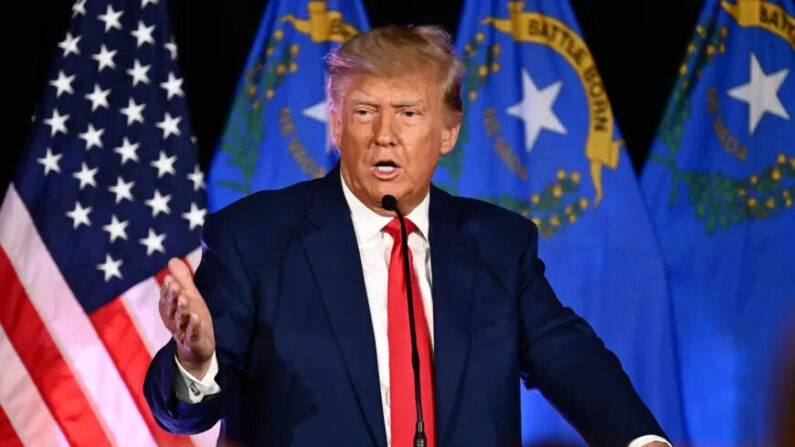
[[375, 248]]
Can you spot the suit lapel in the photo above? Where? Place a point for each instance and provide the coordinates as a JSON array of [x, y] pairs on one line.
[[453, 274], [333, 254]]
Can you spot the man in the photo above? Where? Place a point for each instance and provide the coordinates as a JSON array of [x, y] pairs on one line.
[[296, 329]]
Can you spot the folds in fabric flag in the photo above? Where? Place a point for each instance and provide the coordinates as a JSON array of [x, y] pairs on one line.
[[720, 185], [278, 133], [107, 191], [539, 137]]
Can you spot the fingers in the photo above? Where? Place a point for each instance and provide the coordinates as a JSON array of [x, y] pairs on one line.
[[180, 304], [169, 293], [188, 327], [182, 314], [194, 325]]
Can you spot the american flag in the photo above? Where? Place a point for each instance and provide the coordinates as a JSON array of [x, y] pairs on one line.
[[107, 191]]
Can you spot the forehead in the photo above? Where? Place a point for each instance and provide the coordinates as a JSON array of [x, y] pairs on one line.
[[422, 88]]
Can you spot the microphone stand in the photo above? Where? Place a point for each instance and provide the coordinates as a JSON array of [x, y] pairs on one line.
[[389, 203]]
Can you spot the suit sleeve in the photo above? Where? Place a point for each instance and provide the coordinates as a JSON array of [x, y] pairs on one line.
[[562, 356], [222, 280]]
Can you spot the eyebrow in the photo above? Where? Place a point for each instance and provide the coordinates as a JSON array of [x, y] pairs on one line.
[[404, 103], [414, 103]]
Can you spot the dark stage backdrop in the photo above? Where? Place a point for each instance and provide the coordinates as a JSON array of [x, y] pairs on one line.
[[638, 47]]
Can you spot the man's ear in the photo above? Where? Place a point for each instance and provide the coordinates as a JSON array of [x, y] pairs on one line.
[[336, 126], [449, 137]]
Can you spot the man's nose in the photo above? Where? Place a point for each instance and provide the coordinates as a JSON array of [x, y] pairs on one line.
[[384, 130]]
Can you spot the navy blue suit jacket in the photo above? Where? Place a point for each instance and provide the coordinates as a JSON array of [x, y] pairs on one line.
[[282, 277]]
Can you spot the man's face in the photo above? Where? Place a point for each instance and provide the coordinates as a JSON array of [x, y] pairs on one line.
[[391, 133]]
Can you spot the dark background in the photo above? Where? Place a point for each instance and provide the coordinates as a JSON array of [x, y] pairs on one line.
[[638, 46]]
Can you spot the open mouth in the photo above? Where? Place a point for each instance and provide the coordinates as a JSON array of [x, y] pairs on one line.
[[385, 169]]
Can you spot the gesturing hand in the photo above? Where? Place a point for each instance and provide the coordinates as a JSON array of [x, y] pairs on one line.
[[185, 314]]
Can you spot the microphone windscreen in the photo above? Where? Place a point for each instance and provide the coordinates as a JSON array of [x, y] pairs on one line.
[[389, 202]]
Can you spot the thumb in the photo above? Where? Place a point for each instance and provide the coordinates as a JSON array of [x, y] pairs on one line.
[[181, 272]]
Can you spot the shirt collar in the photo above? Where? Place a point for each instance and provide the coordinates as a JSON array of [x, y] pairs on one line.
[[367, 223]]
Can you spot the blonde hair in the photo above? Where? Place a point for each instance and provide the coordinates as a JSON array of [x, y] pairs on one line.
[[394, 51]]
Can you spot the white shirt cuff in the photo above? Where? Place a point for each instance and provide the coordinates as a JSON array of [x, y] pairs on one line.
[[191, 390], [643, 440]]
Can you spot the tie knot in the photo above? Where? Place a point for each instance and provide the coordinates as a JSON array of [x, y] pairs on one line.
[[393, 228]]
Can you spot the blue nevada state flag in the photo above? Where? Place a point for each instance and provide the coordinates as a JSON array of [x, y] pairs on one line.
[[277, 132], [539, 137], [719, 184]]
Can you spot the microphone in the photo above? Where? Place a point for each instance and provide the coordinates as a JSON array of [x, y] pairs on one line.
[[389, 203]]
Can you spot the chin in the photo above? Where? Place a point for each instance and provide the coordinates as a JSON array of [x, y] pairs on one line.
[[398, 194]]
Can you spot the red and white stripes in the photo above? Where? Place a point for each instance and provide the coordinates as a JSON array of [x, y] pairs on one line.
[[26, 413], [69, 378]]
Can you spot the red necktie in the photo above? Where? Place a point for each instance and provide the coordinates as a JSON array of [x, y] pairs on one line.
[[401, 375]]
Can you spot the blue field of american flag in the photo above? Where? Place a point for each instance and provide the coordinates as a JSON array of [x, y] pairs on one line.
[[107, 191]]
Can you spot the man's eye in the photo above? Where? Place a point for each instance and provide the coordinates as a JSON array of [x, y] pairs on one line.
[[361, 112], [410, 113]]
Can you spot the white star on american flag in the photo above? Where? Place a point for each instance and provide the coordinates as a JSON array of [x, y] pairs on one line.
[[63, 84], [79, 8], [50, 162], [104, 58], [173, 86], [127, 150], [92, 137], [138, 73], [143, 34], [164, 165], [197, 177], [98, 98], [69, 45], [133, 112], [116, 229], [195, 216], [172, 48], [159, 203], [79, 215], [57, 122], [110, 267], [169, 125], [86, 176], [153, 242], [122, 189], [111, 18]]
